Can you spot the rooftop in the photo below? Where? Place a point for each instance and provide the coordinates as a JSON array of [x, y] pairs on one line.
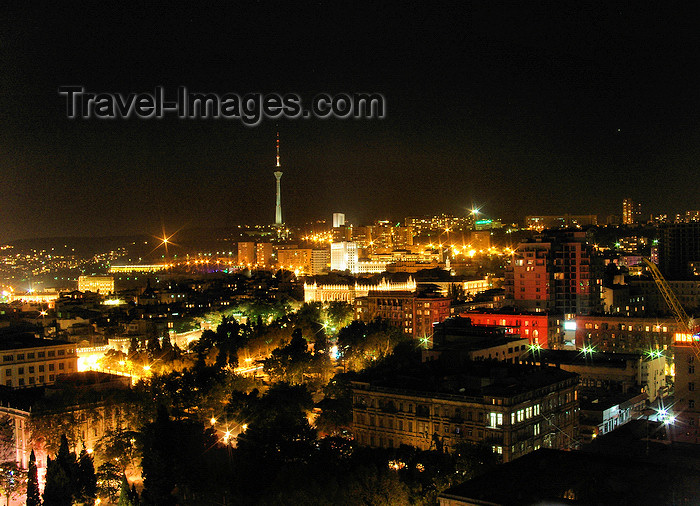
[[580, 478], [596, 358], [469, 378], [25, 341]]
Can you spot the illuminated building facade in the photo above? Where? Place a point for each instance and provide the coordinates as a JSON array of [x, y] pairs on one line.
[[263, 254], [320, 261], [538, 328], [526, 409], [91, 421], [344, 256], [413, 314], [31, 362], [338, 220], [96, 284], [246, 253], [624, 333], [137, 268], [296, 259], [35, 298], [559, 273], [631, 212], [314, 292]]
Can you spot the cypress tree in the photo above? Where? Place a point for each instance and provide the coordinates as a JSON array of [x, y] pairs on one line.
[[134, 496], [33, 496], [87, 480], [124, 493], [58, 490]]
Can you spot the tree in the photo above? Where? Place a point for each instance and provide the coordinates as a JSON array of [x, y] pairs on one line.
[[125, 493], [278, 428], [177, 465], [108, 480], [290, 363], [87, 481], [62, 476], [58, 490], [13, 480], [133, 347], [339, 313], [118, 446], [7, 439], [33, 496]]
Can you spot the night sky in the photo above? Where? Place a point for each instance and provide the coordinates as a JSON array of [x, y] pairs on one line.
[[549, 109]]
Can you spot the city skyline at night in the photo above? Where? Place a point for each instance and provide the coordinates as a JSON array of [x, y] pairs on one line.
[[562, 112], [314, 253]]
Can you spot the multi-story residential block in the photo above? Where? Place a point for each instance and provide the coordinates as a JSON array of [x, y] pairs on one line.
[[246, 253], [631, 212], [618, 300], [687, 388], [679, 250], [557, 273], [625, 334], [320, 261], [687, 292], [297, 259], [263, 254], [624, 373], [30, 362], [411, 312], [515, 409], [541, 222]]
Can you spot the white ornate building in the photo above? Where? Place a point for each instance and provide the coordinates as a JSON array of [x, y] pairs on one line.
[[348, 292]]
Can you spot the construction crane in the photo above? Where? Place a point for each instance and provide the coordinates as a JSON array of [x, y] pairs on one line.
[[679, 313]]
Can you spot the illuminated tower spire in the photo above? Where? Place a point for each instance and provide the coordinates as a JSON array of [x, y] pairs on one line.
[[278, 176], [278, 149]]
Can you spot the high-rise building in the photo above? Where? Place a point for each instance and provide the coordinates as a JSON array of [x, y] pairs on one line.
[[263, 254], [687, 390], [338, 220], [558, 272], [295, 259], [344, 256], [679, 250], [631, 212], [246, 253], [320, 261]]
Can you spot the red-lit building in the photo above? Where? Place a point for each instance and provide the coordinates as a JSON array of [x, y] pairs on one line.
[[413, 313], [536, 327]]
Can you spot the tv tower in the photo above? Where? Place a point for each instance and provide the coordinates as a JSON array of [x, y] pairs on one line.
[[278, 176]]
